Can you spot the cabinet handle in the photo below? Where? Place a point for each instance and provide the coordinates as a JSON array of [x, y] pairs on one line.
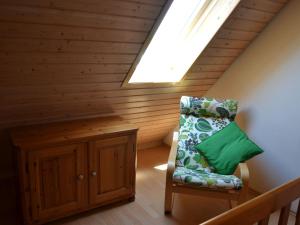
[[80, 177], [94, 173]]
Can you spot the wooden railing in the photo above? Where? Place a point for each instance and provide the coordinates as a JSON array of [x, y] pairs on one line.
[[260, 208]]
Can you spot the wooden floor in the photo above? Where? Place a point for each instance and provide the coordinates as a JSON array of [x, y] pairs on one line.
[[147, 209]]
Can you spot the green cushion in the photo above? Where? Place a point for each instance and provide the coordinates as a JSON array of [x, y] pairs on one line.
[[227, 148]]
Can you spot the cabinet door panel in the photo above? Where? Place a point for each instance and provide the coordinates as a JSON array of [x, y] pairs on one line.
[[57, 181], [111, 168], [57, 177]]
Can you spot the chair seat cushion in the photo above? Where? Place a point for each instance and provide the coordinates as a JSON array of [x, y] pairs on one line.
[[205, 179]]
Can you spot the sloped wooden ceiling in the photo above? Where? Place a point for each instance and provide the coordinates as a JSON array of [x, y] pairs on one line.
[[65, 59]]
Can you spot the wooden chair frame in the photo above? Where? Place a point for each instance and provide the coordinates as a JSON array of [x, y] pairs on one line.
[[173, 187]]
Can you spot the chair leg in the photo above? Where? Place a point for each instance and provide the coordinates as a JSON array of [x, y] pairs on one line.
[[168, 202], [168, 199]]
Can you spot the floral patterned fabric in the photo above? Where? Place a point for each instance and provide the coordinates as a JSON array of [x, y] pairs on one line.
[[208, 107], [200, 118], [204, 179], [192, 131]]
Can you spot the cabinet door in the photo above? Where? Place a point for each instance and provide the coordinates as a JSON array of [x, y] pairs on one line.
[[112, 169], [58, 180]]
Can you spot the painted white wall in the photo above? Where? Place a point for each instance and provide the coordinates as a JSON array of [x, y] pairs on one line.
[[266, 81]]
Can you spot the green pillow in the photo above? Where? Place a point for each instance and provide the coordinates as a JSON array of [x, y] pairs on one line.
[[227, 148]]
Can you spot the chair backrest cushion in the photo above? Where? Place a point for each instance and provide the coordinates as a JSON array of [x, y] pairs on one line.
[[200, 118], [208, 107]]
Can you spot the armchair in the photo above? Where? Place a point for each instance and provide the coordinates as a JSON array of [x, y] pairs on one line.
[[187, 171]]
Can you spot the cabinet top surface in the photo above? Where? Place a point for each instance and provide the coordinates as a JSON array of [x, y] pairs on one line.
[[43, 134]]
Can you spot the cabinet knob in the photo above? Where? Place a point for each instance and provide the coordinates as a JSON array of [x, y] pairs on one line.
[[80, 177], [94, 173]]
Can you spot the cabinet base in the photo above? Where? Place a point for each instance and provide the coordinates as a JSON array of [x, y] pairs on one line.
[[131, 199]]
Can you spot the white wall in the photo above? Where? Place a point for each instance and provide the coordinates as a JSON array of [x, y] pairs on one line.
[[266, 81]]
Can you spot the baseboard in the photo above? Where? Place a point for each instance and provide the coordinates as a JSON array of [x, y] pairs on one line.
[[253, 192], [142, 146]]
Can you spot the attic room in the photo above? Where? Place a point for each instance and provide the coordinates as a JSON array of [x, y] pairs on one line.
[[139, 112]]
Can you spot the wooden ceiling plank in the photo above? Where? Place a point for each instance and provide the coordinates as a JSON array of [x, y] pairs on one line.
[[76, 111], [244, 25], [227, 43], [58, 46], [263, 5], [202, 75], [36, 99], [236, 34], [93, 103], [87, 107], [108, 90], [98, 83], [148, 2], [70, 18], [118, 8], [42, 58], [34, 119], [37, 79], [61, 32], [208, 68], [150, 134], [252, 15], [151, 114], [206, 60], [280, 1], [173, 120], [215, 52], [158, 126], [27, 121]]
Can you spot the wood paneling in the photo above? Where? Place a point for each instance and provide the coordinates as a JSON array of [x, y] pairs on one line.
[[65, 59]]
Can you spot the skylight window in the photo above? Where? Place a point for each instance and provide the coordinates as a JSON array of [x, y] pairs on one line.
[[184, 32]]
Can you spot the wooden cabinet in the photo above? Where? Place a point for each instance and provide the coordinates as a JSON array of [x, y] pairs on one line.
[[69, 167]]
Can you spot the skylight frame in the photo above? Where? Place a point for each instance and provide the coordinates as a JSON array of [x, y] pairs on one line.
[[149, 39]]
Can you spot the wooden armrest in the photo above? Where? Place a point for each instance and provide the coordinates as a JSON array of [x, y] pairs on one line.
[[172, 156], [244, 173]]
